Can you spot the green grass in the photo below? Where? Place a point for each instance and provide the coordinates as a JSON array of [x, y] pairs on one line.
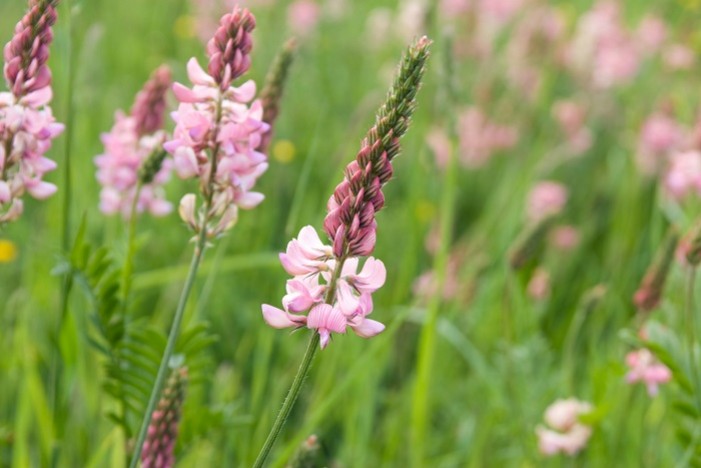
[[488, 364]]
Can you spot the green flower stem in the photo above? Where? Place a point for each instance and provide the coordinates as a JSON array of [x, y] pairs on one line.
[[170, 346], [691, 332], [128, 268], [290, 400], [298, 382]]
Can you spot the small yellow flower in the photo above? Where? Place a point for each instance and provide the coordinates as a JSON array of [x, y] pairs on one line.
[[284, 151], [184, 27], [8, 251], [425, 211]]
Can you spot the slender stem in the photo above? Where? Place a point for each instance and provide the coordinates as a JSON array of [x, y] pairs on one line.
[[67, 281], [691, 332], [170, 346], [128, 268], [302, 372], [427, 339], [290, 400]]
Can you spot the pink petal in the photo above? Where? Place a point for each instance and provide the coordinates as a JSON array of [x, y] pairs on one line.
[[197, 74], [348, 303], [371, 277], [278, 318], [250, 200], [185, 94], [368, 328], [243, 93], [40, 189]]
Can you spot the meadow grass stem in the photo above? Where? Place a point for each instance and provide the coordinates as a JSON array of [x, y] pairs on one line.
[[691, 332], [427, 339], [170, 345]]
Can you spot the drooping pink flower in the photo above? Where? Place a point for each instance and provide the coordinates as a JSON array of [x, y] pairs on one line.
[[566, 433], [546, 199], [645, 368], [217, 132], [132, 145]]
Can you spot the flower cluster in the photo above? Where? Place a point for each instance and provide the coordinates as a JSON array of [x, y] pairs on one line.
[[567, 434], [546, 198], [215, 117], [332, 306], [132, 142], [644, 367], [326, 282], [27, 125]]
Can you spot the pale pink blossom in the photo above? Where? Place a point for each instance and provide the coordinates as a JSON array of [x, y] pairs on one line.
[[651, 34], [303, 16], [480, 138], [660, 136], [313, 265], [683, 174], [565, 238], [546, 199], [539, 285], [572, 118], [438, 141], [566, 433], [678, 57], [644, 367]]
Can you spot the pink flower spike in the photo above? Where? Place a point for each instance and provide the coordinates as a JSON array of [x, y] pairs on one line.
[[278, 318], [326, 319]]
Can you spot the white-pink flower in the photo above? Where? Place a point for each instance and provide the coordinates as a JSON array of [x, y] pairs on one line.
[[565, 432], [313, 266], [683, 175], [644, 367], [546, 199]]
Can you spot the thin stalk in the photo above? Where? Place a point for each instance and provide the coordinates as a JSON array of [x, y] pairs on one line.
[[128, 268], [170, 346], [691, 332], [298, 382], [67, 281], [426, 345], [180, 311]]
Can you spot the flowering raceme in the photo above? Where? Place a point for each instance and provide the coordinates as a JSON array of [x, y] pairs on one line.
[[27, 125], [133, 141], [326, 280], [215, 116]]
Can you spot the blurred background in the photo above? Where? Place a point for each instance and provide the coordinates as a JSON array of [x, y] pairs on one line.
[[582, 114]]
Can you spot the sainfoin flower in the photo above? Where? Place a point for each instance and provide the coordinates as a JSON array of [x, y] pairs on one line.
[[565, 432], [131, 143], [217, 132], [330, 291], [27, 125], [644, 367], [547, 198]]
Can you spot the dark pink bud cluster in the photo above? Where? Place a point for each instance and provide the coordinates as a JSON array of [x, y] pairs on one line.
[[350, 223], [150, 103], [27, 52], [163, 431], [229, 49]]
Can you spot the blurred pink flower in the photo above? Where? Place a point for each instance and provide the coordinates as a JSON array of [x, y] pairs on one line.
[[572, 118], [303, 16], [683, 174], [644, 367], [651, 34], [481, 138], [678, 57], [566, 433], [546, 199], [660, 135], [565, 237], [539, 286], [312, 264], [438, 141], [451, 8]]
